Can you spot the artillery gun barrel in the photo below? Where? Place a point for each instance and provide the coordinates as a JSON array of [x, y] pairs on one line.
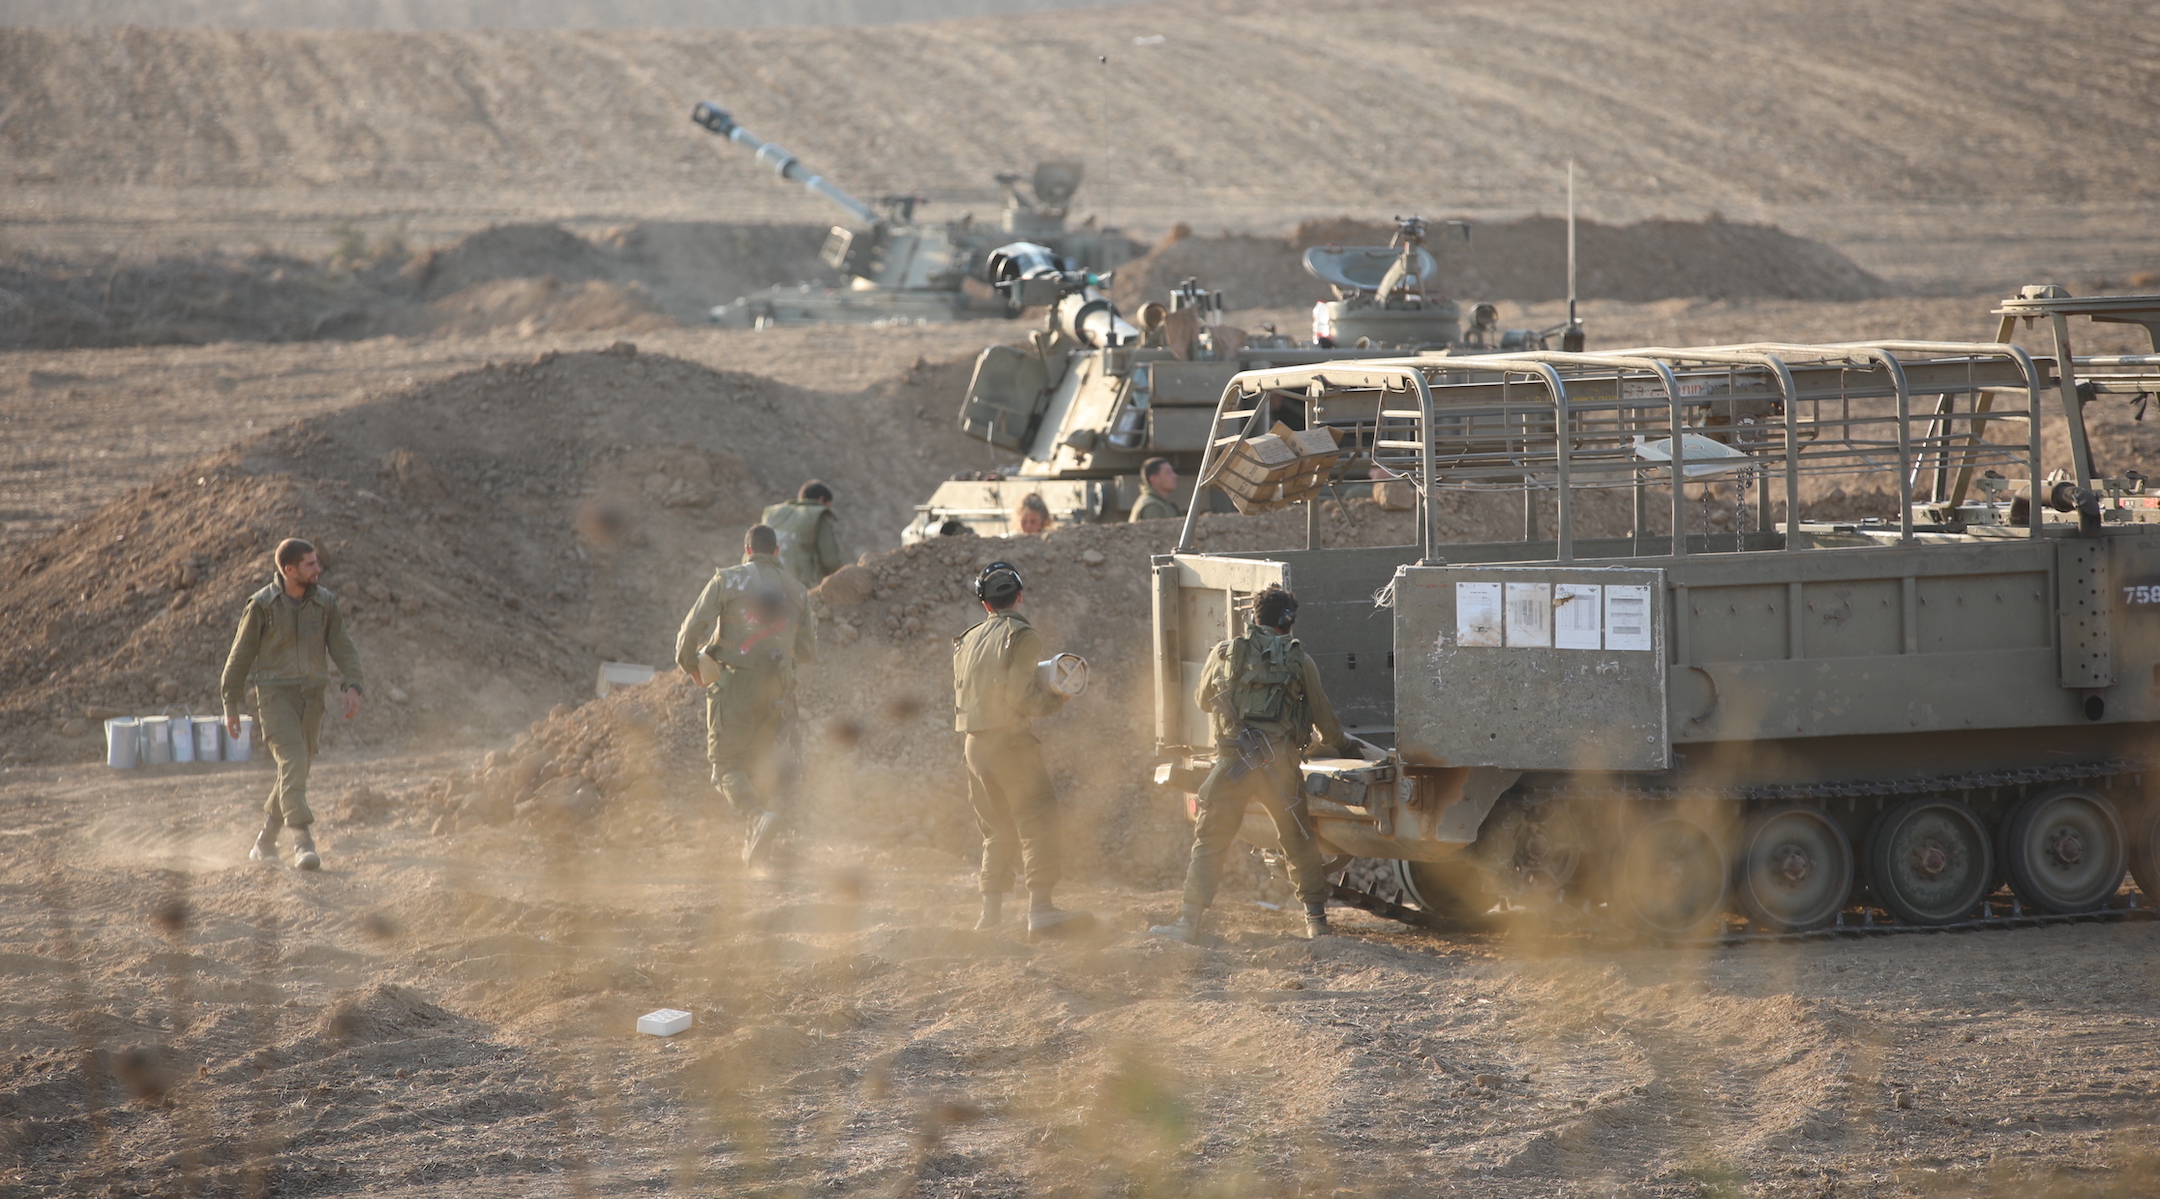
[[786, 165], [1089, 318]]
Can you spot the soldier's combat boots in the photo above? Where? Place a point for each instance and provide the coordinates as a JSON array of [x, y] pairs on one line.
[[1047, 920], [993, 912], [1187, 928], [764, 827], [1316, 924], [265, 847], [303, 854]]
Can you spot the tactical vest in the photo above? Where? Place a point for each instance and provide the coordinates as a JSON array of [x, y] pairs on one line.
[[796, 525], [1267, 685]]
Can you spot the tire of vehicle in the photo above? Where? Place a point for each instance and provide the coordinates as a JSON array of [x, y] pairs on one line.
[[1929, 861], [1671, 877], [1459, 892], [2064, 850], [1794, 870]]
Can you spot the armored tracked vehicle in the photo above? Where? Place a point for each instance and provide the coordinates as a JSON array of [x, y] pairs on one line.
[[1775, 729], [900, 269], [1090, 397]]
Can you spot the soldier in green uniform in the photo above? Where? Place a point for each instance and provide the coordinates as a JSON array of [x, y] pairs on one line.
[[1155, 503], [290, 632], [809, 542], [996, 694], [742, 640], [1263, 697]]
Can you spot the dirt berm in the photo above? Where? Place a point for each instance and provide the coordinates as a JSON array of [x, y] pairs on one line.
[[528, 279], [494, 536], [1523, 260]]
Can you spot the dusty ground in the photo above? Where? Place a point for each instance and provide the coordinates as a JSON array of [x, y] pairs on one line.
[[513, 875], [438, 1011]]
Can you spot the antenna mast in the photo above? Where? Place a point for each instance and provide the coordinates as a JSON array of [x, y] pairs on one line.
[[1571, 340]]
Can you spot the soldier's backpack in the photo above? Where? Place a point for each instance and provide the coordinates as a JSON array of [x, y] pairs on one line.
[[1267, 684]]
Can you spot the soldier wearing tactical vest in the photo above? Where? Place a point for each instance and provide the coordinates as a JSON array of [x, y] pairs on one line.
[[750, 627], [807, 529], [997, 692], [290, 632], [1262, 695]]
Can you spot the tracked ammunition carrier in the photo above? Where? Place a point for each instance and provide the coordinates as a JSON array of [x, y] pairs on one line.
[[1799, 726]]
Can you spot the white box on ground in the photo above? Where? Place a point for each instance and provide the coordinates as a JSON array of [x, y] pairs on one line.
[[621, 674], [664, 1023]]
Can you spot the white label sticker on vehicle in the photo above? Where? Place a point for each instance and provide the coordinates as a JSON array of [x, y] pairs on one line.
[[1627, 618], [1477, 614], [1578, 616], [1529, 615]]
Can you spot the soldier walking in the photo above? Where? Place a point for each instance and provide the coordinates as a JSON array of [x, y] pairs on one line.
[[1160, 480], [807, 528], [290, 632], [1262, 695], [997, 693], [742, 640]]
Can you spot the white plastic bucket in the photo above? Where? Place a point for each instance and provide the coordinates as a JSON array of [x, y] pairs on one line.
[[120, 734], [207, 746], [183, 738], [156, 740], [242, 747]]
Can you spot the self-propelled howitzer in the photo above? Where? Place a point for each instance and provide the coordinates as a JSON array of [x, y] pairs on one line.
[[900, 269]]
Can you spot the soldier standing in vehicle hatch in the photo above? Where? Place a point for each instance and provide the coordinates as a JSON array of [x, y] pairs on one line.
[[742, 640], [997, 692], [807, 531], [1263, 698], [1158, 480], [290, 632]]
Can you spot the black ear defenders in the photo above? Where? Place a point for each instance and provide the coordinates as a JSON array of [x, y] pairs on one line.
[[997, 581]]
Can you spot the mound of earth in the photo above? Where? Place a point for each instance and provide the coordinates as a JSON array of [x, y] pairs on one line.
[[1523, 260], [524, 279], [494, 536], [507, 252], [49, 303], [530, 307]]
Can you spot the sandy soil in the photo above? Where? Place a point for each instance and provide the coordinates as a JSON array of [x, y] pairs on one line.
[[514, 874], [1926, 168], [436, 1011]]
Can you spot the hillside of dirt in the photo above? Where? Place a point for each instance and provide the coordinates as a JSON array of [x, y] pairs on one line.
[[1522, 260], [494, 535], [1813, 117]]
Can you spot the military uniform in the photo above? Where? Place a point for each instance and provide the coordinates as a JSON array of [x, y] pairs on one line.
[[1274, 687], [1153, 507], [809, 542], [996, 693], [288, 646], [754, 620]]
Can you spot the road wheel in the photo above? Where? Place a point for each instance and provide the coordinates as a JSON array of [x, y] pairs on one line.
[[2145, 850], [1671, 877], [2064, 850], [1795, 869], [1929, 861], [1458, 891]]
